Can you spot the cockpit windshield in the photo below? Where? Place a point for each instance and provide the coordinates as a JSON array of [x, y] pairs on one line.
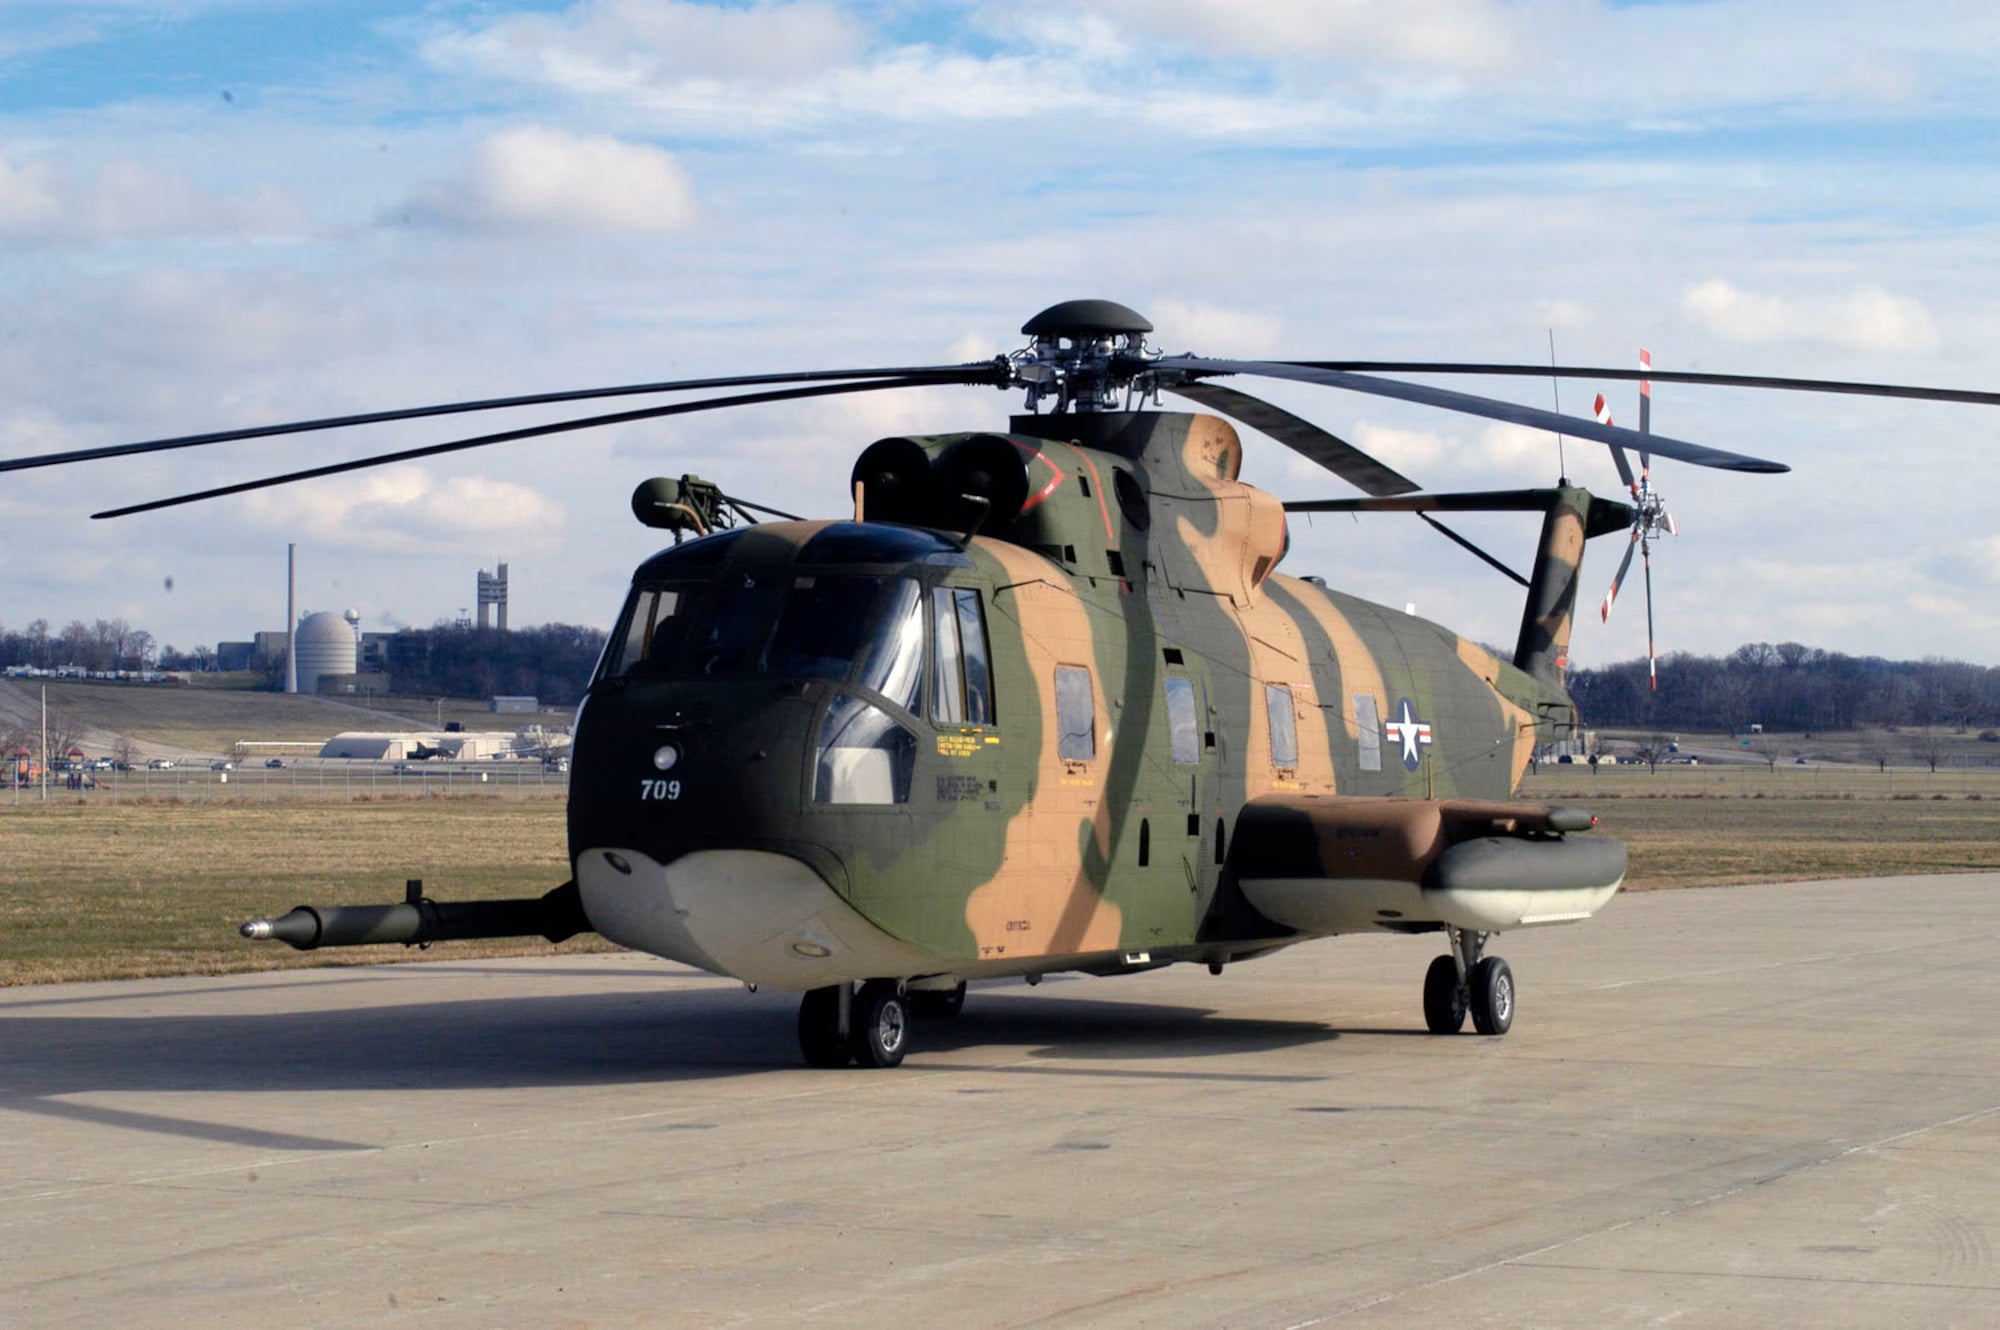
[[777, 622]]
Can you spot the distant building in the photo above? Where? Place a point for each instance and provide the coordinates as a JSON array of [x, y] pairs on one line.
[[492, 590], [391, 746], [515, 705], [326, 648]]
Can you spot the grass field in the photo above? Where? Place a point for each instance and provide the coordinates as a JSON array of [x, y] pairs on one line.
[[101, 891], [96, 890], [1689, 827]]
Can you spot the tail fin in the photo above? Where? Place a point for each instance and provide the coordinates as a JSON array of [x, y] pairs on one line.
[[1573, 515]]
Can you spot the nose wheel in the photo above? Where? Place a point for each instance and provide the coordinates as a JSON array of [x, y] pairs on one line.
[[1468, 981]]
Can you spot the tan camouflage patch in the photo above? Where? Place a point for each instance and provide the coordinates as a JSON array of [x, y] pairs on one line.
[[1041, 900]]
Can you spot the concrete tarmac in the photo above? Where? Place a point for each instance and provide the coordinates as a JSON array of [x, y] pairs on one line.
[[1752, 1106]]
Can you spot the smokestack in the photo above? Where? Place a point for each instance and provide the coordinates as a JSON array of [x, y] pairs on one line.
[[291, 619]]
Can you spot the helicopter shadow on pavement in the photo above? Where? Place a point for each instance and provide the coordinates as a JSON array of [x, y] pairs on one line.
[[630, 1035]]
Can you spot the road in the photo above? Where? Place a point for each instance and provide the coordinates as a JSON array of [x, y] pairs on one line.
[[1745, 1106]]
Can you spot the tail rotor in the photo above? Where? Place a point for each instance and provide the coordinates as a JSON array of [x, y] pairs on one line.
[[1650, 518]]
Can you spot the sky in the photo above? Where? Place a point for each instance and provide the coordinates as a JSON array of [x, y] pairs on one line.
[[223, 213]]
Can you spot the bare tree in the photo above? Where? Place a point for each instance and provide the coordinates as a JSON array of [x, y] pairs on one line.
[[1652, 750], [1930, 747]]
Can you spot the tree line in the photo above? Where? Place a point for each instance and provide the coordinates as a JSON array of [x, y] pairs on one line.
[[1788, 687]]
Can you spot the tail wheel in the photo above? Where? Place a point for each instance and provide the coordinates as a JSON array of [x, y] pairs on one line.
[[881, 1024], [1445, 998], [1492, 996]]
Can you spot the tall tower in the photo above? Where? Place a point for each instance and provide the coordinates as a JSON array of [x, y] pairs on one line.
[[291, 619], [493, 591]]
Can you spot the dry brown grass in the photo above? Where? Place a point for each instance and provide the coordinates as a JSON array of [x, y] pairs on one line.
[[90, 890], [1707, 827], [99, 890]]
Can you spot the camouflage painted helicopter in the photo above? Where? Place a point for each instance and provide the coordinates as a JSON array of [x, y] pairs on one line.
[[1046, 704]]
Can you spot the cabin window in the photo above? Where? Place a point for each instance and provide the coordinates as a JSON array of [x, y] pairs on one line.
[[961, 663], [1284, 726], [863, 756], [1076, 715], [1368, 726], [1183, 728]]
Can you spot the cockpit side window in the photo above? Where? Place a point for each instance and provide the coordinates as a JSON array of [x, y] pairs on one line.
[[894, 665], [961, 663], [655, 630]]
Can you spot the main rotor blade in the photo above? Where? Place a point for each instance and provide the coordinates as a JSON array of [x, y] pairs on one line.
[[1487, 407], [1337, 455], [943, 374], [1483, 501], [1854, 389], [509, 436]]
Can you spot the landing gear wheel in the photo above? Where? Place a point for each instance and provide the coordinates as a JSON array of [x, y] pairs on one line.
[[819, 1029], [1492, 996], [927, 1003], [881, 1024], [1445, 999]]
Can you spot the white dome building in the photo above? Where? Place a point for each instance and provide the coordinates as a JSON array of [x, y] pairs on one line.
[[325, 646]]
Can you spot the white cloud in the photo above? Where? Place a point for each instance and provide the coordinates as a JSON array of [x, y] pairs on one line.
[[403, 508], [1867, 319], [540, 179], [1448, 35], [1405, 450], [124, 199], [1215, 331], [618, 46]]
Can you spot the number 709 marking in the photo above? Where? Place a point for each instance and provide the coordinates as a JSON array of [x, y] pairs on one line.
[[659, 789]]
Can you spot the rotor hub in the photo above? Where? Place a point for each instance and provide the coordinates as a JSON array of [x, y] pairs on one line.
[[1087, 355]]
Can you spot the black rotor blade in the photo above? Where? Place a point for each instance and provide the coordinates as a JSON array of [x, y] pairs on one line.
[[1463, 543], [1484, 501], [509, 436], [942, 374], [1337, 455], [1468, 404], [1617, 580], [1854, 389]]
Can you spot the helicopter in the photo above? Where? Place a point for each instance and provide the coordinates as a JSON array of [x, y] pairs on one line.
[[1043, 702]]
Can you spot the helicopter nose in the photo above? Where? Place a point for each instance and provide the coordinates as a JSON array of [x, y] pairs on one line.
[[762, 917]]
